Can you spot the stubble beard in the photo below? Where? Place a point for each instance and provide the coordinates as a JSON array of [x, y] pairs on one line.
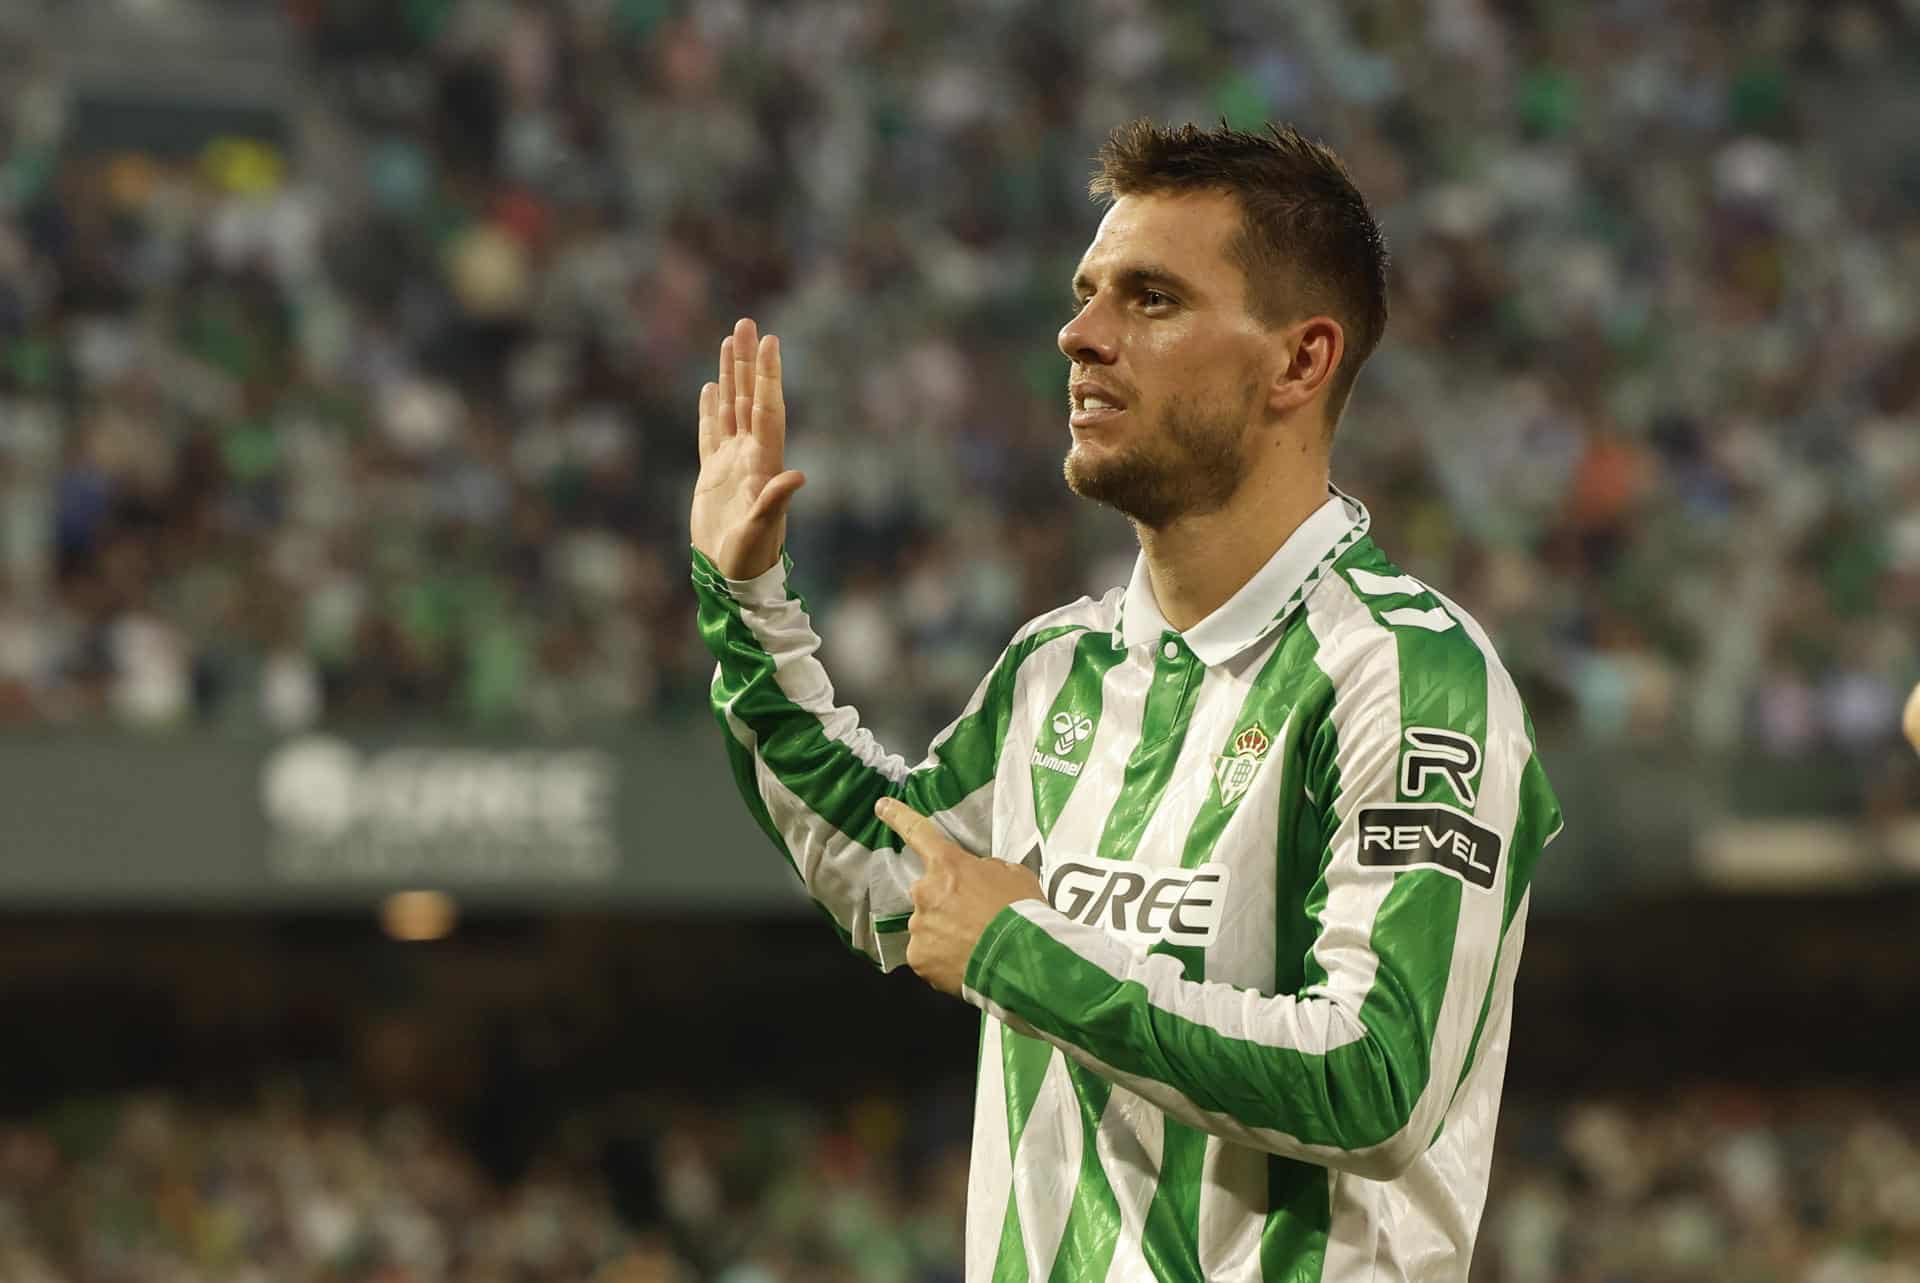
[[1191, 463]]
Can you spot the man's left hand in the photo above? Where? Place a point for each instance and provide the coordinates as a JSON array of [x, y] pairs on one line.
[[954, 901]]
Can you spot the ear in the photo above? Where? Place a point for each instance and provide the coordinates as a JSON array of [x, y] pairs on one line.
[[1312, 349]]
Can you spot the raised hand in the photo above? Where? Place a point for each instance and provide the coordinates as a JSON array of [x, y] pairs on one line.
[[740, 500]]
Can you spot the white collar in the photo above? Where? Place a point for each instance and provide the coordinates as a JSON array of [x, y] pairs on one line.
[[1264, 601]]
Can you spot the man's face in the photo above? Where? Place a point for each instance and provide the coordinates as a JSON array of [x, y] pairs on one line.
[[1163, 331]]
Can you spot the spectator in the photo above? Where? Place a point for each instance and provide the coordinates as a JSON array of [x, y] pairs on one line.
[[425, 376]]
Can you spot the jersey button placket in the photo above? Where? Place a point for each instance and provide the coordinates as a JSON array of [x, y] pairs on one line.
[[1175, 668]]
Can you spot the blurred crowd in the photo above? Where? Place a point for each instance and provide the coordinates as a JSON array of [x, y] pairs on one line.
[[392, 416], [148, 1188], [1720, 1184], [1752, 1183]]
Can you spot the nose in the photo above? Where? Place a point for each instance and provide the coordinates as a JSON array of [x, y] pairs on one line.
[[1086, 339]]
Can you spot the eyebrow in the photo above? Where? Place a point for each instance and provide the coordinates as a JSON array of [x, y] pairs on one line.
[[1145, 274]]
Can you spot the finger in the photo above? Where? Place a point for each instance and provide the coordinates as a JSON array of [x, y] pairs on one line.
[[723, 410], [774, 496], [769, 420], [709, 421], [746, 346], [920, 834]]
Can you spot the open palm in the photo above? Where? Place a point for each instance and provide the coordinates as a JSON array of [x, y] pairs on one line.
[[740, 500]]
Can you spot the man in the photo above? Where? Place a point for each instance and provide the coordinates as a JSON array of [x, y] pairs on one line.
[[1257, 829]]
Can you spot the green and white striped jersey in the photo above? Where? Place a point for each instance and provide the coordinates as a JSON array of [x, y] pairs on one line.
[[1259, 1026]]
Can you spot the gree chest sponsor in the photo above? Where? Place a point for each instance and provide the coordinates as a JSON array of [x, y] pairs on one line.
[[1140, 903]]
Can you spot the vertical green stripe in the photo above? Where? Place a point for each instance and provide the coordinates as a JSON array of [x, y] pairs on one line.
[[1010, 1261], [1293, 1242], [1163, 730], [1093, 1223], [1024, 1062], [1082, 694], [1172, 1230]]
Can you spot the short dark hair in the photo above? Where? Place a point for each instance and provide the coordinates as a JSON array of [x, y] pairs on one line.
[[1308, 244]]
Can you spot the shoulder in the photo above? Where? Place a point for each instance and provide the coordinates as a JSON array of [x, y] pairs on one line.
[[1372, 607], [1387, 639], [1088, 614]]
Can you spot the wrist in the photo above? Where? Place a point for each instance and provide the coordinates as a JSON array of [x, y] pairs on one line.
[[765, 588], [980, 962]]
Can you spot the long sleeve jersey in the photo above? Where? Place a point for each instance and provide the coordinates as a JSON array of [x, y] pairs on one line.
[[1258, 1027]]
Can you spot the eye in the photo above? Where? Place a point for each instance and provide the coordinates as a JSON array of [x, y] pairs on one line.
[[1154, 298]]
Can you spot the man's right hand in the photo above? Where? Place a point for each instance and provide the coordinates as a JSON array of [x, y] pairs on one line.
[[740, 499]]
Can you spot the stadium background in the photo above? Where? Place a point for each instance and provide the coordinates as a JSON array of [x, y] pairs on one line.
[[348, 351]]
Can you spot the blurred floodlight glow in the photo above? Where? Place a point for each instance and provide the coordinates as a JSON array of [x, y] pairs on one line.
[[417, 915]]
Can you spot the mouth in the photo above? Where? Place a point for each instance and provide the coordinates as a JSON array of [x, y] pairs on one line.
[[1089, 406], [1095, 415]]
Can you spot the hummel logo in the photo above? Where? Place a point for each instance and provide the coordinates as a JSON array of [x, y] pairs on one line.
[[1047, 760], [1069, 728]]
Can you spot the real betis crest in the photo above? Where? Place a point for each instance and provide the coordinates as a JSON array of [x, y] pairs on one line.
[[1235, 771]]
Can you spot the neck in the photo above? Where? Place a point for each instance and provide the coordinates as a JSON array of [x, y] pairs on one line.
[[1196, 563]]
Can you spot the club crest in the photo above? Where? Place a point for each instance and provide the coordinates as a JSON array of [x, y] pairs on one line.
[[1235, 771]]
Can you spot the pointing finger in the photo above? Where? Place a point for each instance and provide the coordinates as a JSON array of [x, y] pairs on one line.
[[920, 834]]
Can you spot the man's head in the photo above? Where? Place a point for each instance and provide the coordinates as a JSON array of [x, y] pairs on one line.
[[1231, 294]]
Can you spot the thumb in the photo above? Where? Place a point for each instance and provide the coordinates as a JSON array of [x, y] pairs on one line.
[[774, 496]]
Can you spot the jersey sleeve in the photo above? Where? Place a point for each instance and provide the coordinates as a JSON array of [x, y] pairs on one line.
[[1431, 809], [810, 773]]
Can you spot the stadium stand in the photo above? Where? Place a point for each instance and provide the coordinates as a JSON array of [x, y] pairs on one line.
[[393, 416]]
